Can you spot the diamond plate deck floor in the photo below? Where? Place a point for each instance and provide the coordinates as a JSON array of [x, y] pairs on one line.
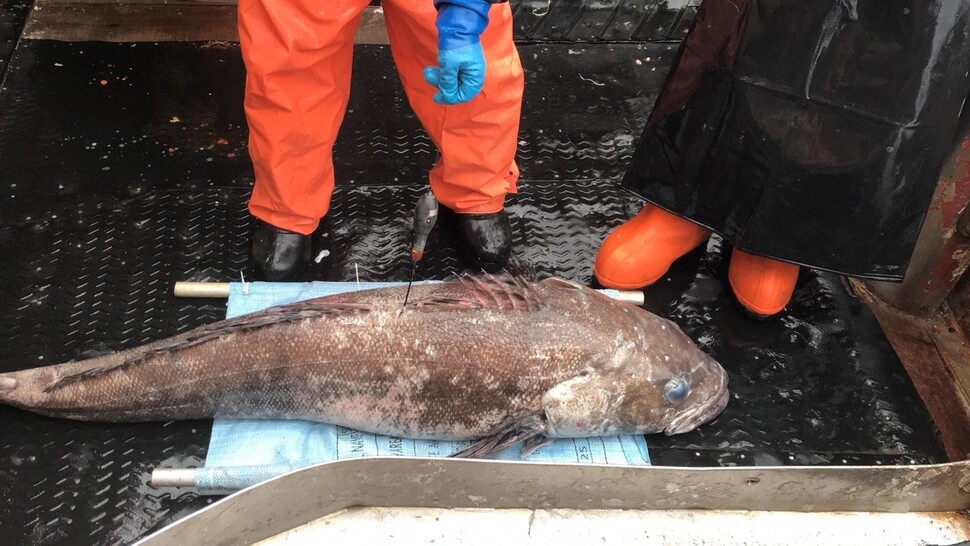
[[124, 170]]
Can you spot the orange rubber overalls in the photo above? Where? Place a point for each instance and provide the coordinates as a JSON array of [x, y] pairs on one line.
[[298, 56]]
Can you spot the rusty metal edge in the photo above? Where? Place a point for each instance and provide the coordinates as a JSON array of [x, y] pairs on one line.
[[931, 356], [301, 496]]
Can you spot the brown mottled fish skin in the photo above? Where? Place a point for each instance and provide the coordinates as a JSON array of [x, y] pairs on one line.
[[468, 359]]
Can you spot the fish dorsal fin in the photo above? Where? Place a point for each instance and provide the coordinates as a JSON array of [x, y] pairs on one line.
[[503, 291], [312, 308]]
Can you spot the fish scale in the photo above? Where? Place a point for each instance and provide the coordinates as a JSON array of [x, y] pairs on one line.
[[492, 359]]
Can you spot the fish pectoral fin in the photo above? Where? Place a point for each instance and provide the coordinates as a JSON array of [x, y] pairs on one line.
[[512, 431], [533, 444]]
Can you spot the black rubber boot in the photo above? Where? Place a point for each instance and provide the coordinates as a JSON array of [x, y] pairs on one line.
[[279, 254], [484, 240]]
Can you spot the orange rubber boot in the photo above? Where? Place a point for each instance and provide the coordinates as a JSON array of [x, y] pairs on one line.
[[477, 139], [762, 285], [641, 251]]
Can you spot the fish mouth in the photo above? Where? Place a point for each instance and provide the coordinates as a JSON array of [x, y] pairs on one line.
[[694, 417]]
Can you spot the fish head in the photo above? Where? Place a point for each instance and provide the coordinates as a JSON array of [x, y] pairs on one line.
[[637, 397], [671, 385], [686, 399], [657, 379]]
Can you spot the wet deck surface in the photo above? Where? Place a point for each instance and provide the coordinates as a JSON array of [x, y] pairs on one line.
[[124, 169]]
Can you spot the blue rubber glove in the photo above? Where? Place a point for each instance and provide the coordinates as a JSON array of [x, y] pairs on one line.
[[461, 71], [460, 76]]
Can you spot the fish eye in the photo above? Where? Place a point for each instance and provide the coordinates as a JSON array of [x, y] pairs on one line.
[[676, 390]]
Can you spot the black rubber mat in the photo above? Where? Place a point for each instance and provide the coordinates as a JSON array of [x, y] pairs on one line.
[[124, 170], [143, 117]]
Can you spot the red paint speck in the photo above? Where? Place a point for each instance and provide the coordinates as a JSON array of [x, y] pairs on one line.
[[222, 141], [170, 150], [104, 82], [230, 156]]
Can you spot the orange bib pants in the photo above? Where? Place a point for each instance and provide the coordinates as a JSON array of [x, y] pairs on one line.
[[298, 56]]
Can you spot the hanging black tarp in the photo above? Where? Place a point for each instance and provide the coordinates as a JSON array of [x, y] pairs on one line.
[[813, 131]]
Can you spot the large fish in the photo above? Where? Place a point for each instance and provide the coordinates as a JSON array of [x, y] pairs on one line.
[[495, 359]]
